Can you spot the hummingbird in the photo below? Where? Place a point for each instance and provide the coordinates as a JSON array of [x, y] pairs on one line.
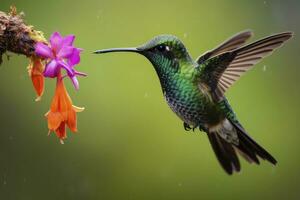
[[195, 89]]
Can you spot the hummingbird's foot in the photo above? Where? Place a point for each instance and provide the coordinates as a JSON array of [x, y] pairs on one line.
[[187, 127], [202, 129]]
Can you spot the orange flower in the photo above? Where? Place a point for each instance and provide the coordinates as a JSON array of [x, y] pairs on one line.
[[35, 70], [62, 112]]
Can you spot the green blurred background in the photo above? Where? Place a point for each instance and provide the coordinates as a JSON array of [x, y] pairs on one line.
[[130, 145]]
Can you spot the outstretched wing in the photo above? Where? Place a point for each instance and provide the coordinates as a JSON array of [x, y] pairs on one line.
[[230, 44], [220, 72]]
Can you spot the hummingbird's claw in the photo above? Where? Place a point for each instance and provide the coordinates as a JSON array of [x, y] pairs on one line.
[[202, 129], [187, 127]]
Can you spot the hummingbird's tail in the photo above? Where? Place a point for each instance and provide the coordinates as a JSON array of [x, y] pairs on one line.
[[226, 151]]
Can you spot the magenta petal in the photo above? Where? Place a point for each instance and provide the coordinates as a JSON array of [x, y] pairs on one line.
[[43, 50], [67, 67], [65, 52], [56, 41], [51, 69], [68, 40], [75, 58], [75, 82], [80, 73]]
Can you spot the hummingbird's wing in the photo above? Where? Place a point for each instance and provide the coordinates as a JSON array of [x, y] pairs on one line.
[[230, 44], [218, 73]]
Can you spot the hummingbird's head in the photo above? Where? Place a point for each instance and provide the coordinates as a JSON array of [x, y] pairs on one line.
[[165, 52], [164, 47]]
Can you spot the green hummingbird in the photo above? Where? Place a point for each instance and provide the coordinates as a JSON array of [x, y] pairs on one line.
[[194, 90]]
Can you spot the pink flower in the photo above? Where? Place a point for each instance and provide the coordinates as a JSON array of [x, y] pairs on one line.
[[60, 54]]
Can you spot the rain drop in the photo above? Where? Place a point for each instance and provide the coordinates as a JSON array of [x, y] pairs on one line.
[[146, 95], [265, 68], [99, 13]]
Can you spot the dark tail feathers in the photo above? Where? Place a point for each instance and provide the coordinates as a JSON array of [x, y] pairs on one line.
[[247, 148]]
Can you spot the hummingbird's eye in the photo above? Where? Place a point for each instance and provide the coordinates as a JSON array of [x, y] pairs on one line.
[[162, 48]]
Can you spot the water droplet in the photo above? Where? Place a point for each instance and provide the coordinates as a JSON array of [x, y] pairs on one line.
[[179, 184], [99, 13], [265, 68], [146, 95], [185, 35]]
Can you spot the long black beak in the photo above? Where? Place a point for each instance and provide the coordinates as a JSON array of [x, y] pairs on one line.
[[133, 49]]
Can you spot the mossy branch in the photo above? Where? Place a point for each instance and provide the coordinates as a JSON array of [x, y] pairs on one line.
[[16, 36]]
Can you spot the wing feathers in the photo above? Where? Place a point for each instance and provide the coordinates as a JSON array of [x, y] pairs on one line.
[[268, 41], [232, 43], [246, 57]]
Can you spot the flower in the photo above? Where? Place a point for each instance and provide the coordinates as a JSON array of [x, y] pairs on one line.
[[60, 54], [62, 113], [35, 70], [47, 60]]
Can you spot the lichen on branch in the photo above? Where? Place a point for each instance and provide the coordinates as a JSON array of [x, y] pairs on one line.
[[16, 36]]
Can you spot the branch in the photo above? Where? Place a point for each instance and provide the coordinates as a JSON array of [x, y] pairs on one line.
[[16, 36]]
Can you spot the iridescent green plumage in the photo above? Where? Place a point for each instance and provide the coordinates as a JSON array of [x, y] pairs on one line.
[[194, 90]]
